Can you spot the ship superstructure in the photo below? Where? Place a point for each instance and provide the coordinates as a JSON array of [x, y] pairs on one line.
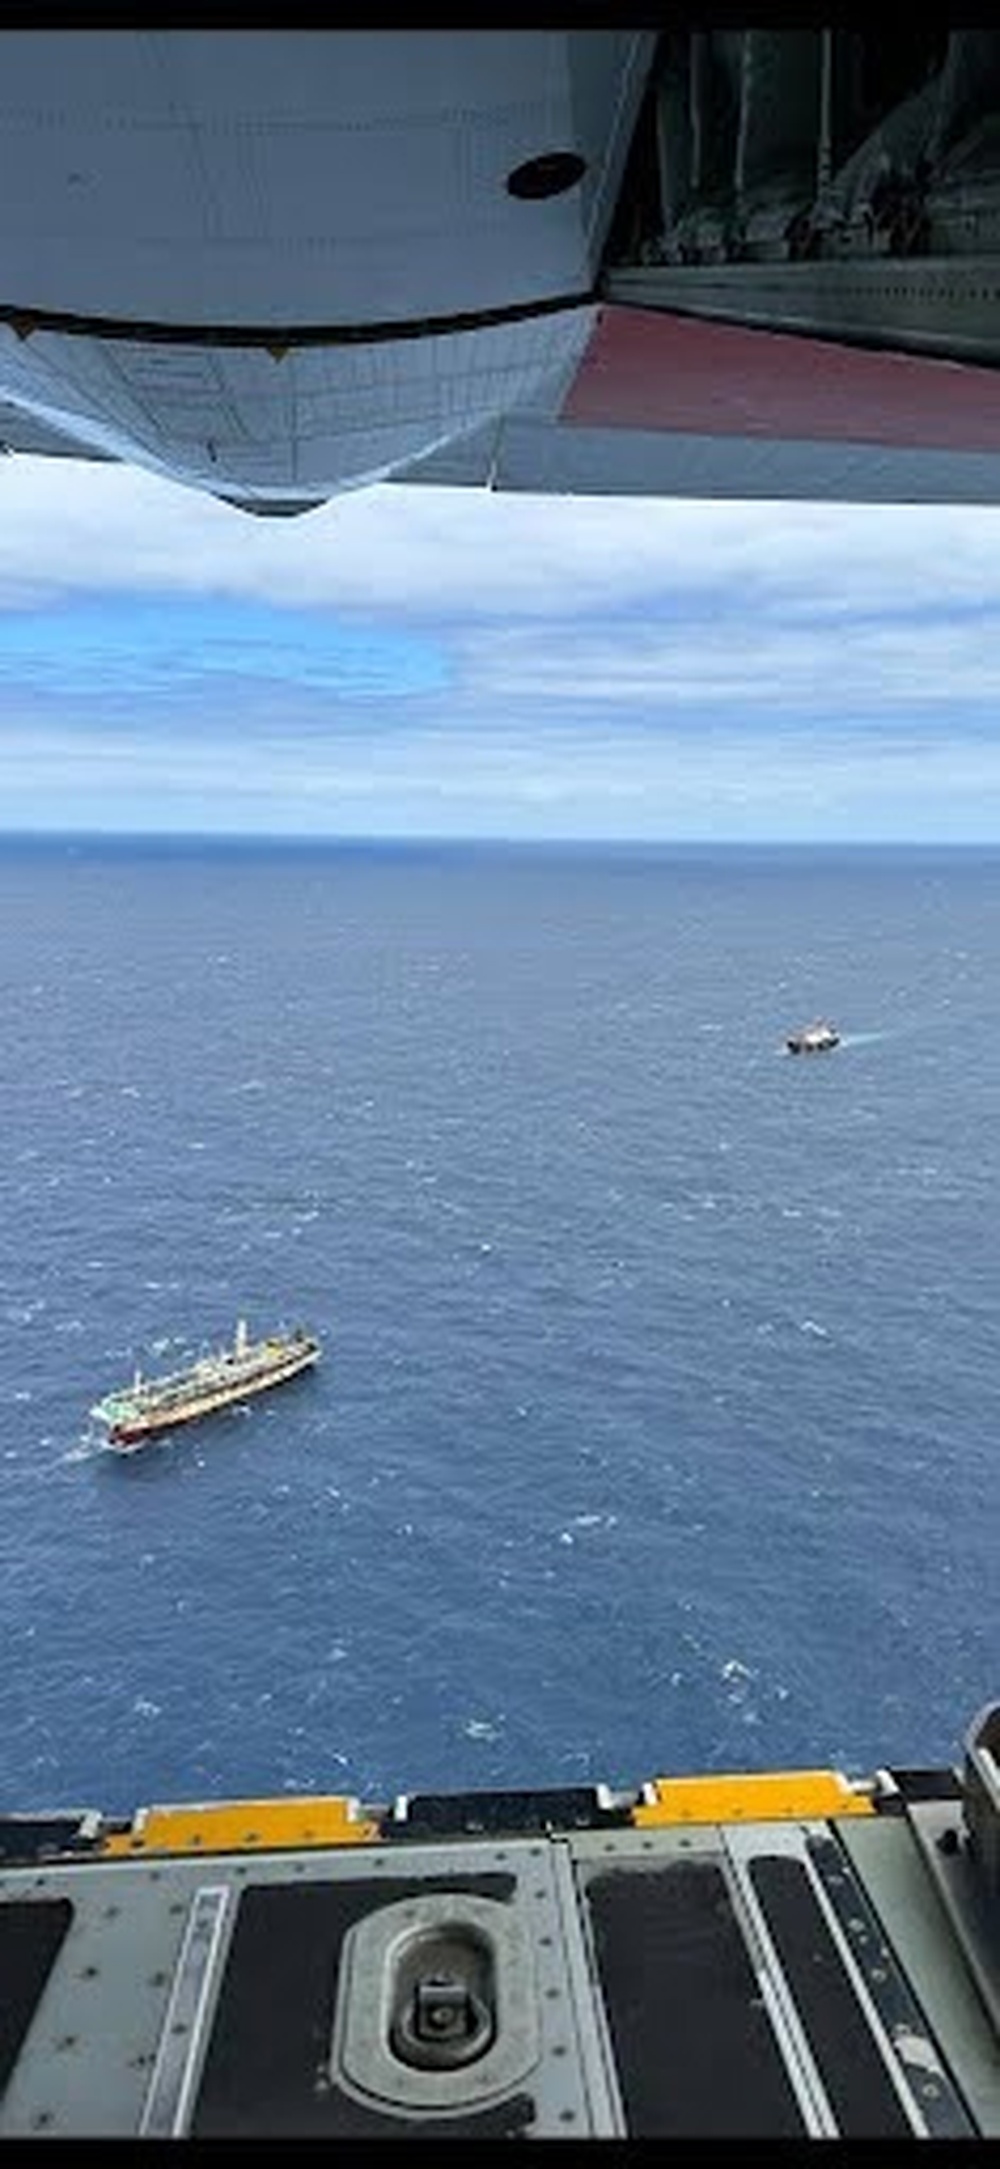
[[135, 1414]]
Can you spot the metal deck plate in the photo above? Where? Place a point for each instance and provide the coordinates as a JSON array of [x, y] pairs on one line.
[[738, 1978], [259, 2014]]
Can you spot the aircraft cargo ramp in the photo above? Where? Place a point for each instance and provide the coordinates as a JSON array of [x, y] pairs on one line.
[[761, 1955]]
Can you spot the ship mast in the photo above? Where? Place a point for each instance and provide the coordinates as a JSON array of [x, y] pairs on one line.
[[241, 1337]]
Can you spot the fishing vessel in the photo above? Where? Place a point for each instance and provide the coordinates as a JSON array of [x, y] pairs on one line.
[[135, 1414], [815, 1038]]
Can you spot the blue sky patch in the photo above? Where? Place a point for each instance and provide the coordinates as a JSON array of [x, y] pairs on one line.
[[177, 647]]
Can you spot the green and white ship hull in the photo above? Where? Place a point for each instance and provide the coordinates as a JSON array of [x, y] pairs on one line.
[[138, 1413]]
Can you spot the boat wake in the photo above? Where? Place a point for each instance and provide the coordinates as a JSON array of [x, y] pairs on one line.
[[850, 1039], [86, 1448]]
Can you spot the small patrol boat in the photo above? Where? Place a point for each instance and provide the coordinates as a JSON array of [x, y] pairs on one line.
[[815, 1038], [137, 1413]]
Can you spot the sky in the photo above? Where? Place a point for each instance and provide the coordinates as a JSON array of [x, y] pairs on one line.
[[419, 662]]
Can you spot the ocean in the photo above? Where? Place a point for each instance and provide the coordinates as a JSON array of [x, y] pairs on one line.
[[656, 1428]]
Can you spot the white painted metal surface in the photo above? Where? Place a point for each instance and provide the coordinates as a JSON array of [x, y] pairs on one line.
[[235, 421], [295, 182], [309, 177]]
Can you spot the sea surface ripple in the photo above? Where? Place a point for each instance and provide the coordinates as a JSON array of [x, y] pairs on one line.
[[657, 1418]]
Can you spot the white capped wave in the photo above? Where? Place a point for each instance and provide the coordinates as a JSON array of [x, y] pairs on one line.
[[481, 1728]]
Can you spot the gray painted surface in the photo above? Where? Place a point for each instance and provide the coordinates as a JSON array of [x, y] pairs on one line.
[[946, 305], [530, 453], [885, 1854]]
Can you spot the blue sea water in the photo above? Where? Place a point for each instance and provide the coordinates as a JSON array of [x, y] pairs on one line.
[[657, 1426]]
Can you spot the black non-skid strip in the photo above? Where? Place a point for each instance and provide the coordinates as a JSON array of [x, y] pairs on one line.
[[31, 1936], [917, 1785], [27, 1839], [473, 1814], [695, 2052], [857, 2083], [266, 2073], [938, 2097]]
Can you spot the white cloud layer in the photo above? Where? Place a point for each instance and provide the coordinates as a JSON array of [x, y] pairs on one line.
[[68, 528], [619, 667]]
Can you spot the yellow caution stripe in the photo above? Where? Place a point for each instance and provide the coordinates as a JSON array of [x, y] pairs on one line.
[[758, 1797], [243, 1826]]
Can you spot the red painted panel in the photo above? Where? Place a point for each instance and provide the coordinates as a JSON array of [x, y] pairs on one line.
[[647, 370]]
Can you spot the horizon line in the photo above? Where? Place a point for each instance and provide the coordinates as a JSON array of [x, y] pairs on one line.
[[401, 840]]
